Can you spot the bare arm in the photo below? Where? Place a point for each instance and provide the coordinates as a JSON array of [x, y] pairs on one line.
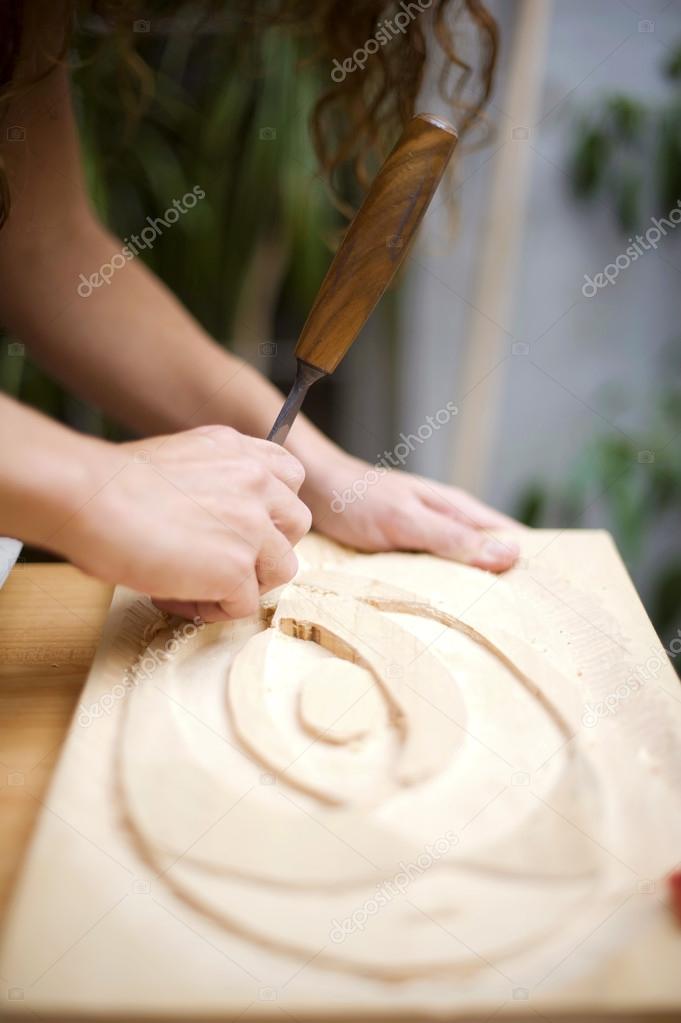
[[133, 350], [129, 346], [229, 507]]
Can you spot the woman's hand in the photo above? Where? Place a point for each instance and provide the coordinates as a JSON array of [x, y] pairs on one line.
[[204, 521], [376, 509]]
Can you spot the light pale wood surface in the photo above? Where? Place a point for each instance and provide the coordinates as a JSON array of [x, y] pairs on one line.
[[155, 881], [50, 621]]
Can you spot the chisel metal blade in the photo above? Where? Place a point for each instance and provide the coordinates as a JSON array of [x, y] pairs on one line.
[[306, 375]]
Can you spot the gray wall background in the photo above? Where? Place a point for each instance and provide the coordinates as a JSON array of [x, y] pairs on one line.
[[546, 404]]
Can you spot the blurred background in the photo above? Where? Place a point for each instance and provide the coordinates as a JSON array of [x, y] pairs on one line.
[[568, 395]]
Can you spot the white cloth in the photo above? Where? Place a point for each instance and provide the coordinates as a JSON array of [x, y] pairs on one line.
[[9, 552]]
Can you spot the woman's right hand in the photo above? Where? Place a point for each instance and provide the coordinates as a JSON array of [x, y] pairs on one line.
[[203, 521]]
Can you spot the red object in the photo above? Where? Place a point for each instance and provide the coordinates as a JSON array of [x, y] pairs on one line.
[[674, 884]]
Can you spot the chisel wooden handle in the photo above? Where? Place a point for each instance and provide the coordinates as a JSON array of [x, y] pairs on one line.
[[370, 254], [376, 242]]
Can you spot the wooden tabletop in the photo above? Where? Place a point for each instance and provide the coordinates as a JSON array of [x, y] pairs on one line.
[[50, 620]]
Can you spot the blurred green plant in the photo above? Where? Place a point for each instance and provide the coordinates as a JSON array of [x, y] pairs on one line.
[[630, 152], [227, 114], [636, 487]]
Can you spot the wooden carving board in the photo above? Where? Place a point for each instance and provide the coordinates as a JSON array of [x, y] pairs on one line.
[[409, 789]]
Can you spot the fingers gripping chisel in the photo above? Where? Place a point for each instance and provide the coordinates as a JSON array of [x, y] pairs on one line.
[[369, 256]]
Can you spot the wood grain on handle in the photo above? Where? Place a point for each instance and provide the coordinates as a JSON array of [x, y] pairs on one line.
[[377, 240]]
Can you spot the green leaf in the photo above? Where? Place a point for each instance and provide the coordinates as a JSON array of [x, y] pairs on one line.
[[590, 161], [666, 601], [628, 199], [531, 507], [672, 64], [626, 116]]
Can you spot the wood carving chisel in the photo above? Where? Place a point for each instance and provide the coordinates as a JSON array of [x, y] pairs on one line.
[[369, 256]]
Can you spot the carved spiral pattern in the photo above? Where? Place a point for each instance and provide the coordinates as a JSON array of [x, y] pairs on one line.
[[340, 768]]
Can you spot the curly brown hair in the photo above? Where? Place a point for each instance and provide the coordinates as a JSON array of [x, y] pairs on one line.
[[357, 117]]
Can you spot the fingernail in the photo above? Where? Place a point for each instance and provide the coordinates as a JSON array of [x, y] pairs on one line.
[[496, 551]]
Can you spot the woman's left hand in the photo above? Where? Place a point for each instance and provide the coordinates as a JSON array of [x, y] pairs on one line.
[[376, 509]]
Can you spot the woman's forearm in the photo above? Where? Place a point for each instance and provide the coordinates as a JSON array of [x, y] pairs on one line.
[[47, 473], [170, 524], [131, 348], [127, 346], [205, 516]]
